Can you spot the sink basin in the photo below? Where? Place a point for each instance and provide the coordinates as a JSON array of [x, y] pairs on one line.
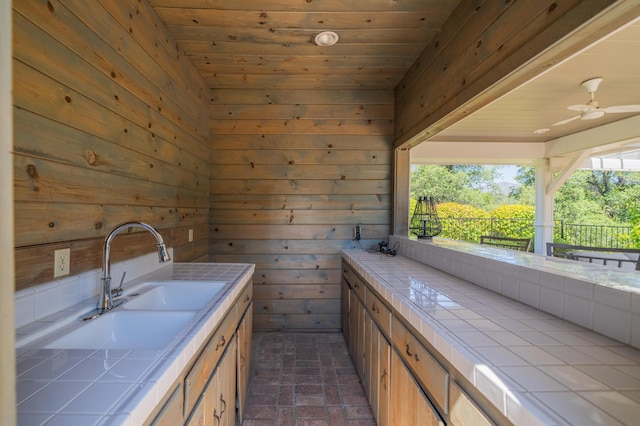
[[125, 330], [173, 295]]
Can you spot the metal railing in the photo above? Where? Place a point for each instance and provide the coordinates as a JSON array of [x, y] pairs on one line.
[[592, 235], [471, 229]]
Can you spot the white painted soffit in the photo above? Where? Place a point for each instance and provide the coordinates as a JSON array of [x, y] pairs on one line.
[[602, 142], [437, 152]]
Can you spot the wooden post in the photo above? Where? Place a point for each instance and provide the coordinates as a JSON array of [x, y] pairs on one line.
[[7, 294], [401, 173]]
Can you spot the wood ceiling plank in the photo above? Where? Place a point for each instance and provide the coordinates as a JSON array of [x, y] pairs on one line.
[[301, 97], [298, 36], [201, 49], [222, 111], [336, 82], [293, 62], [426, 19], [312, 6]]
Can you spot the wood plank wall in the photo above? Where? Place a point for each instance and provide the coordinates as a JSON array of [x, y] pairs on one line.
[[293, 171], [111, 125]]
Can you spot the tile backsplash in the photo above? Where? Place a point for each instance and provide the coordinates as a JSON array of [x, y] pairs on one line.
[[35, 303], [600, 299]]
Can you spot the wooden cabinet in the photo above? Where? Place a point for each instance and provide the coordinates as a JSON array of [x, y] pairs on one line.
[[404, 381], [409, 406], [203, 368], [171, 413], [244, 359], [216, 406], [345, 308], [368, 346], [225, 399], [218, 377], [463, 411], [356, 331], [427, 370], [380, 378]]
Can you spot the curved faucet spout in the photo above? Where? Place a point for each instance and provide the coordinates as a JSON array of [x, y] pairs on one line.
[[106, 301]]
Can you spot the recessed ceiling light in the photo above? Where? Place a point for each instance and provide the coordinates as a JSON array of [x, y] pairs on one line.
[[541, 131], [326, 38]]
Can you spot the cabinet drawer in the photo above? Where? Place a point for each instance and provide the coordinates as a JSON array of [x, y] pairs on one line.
[[463, 411], [199, 374], [379, 312], [427, 369], [356, 283]]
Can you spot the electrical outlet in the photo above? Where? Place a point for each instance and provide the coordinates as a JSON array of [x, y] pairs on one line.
[[190, 235], [61, 262], [357, 232]]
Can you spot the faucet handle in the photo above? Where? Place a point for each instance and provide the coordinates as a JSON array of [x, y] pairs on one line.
[[117, 292]]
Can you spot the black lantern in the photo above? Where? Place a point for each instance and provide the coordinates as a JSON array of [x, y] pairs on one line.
[[425, 222]]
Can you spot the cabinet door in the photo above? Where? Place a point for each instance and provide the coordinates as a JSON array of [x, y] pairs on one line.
[[204, 413], [345, 308], [226, 399], [244, 359], [216, 407], [369, 347], [463, 411], [409, 406], [171, 413], [356, 329], [381, 381]]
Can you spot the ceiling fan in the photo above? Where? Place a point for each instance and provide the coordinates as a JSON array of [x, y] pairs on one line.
[[591, 109]]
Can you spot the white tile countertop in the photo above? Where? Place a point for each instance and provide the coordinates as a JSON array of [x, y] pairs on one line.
[[536, 368], [115, 387]]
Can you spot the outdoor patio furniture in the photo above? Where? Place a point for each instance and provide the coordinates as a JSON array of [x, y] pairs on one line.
[[521, 244], [621, 258]]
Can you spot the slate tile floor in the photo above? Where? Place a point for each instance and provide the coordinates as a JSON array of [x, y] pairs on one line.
[[304, 379]]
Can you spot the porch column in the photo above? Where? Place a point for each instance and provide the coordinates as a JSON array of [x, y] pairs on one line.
[[543, 221]]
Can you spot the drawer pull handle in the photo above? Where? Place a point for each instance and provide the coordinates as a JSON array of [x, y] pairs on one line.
[[247, 299], [224, 342], [415, 356], [216, 416], [375, 308], [224, 408], [383, 380]]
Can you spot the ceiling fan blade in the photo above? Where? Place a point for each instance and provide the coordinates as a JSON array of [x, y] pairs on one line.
[[580, 108], [568, 120], [623, 108]]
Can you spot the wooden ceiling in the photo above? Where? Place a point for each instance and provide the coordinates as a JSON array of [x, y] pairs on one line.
[[249, 44]]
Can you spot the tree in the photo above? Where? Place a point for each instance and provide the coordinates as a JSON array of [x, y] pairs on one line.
[[589, 197], [474, 185]]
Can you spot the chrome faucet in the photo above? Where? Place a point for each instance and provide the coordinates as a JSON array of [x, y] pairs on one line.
[[106, 301]]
